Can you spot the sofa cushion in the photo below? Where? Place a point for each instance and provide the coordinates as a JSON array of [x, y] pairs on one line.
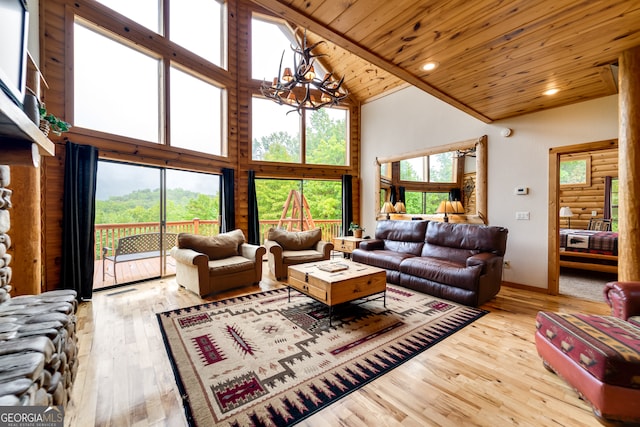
[[607, 347], [224, 245], [295, 240], [389, 260], [443, 271], [300, 257], [402, 236], [475, 238], [230, 265]]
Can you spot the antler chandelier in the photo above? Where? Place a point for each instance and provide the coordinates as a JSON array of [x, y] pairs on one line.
[[300, 88]]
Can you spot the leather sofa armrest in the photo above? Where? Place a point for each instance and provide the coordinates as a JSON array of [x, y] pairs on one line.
[[324, 248], [623, 298], [489, 262], [274, 258], [273, 247], [189, 256], [252, 252], [371, 245]]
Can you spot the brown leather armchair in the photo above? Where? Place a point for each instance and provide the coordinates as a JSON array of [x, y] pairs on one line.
[[208, 264], [285, 248]]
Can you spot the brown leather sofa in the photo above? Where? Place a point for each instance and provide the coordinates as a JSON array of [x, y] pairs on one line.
[[454, 261]]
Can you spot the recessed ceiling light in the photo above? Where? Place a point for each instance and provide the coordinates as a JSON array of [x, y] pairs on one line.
[[551, 91], [430, 66]]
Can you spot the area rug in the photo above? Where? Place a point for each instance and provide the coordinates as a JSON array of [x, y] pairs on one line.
[[262, 360]]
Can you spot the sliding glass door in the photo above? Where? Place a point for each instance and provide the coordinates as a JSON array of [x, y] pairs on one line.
[[141, 209], [127, 204], [300, 205]]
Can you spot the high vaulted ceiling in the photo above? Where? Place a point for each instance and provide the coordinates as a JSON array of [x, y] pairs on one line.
[[496, 58]]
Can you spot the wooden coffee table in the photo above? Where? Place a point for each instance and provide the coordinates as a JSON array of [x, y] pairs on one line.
[[337, 287]]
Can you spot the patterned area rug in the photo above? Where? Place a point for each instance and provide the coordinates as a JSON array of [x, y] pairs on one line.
[[261, 360]]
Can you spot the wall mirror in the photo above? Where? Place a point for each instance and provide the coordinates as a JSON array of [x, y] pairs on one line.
[[468, 176]]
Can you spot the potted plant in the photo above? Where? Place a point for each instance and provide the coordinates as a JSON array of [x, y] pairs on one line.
[[50, 122], [356, 230]]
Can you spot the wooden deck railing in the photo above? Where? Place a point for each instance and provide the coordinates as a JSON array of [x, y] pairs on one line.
[[107, 235]]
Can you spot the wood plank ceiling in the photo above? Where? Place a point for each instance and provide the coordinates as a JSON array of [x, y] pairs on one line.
[[496, 58]]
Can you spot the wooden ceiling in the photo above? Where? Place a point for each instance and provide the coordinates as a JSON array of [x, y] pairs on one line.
[[496, 57]]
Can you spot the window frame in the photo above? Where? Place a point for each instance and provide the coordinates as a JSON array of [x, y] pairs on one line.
[[582, 158], [141, 38], [255, 93]]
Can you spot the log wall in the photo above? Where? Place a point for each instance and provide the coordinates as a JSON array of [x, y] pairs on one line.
[[584, 199], [56, 64]]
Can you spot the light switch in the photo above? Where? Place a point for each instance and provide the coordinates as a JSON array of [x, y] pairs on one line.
[[523, 216]]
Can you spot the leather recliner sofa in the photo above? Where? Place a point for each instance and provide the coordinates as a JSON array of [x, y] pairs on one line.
[[455, 261]]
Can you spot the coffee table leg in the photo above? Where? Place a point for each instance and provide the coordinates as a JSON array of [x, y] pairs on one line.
[[289, 288], [384, 299], [330, 314]]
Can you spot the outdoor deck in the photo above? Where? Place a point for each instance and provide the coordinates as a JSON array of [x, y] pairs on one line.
[[131, 271]]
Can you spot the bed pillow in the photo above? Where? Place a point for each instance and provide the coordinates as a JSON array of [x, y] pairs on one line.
[[295, 240], [224, 245]]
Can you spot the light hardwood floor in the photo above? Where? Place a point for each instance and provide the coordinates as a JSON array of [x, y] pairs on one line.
[[487, 374]]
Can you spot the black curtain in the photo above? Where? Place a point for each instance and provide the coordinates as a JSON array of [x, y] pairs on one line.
[[254, 222], [227, 204], [347, 203], [607, 197], [401, 193], [392, 195], [78, 219]]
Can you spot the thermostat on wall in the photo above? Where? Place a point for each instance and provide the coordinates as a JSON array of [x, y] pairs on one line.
[[521, 191]]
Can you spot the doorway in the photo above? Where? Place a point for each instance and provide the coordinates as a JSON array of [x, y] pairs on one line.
[[579, 202], [297, 204], [143, 208]]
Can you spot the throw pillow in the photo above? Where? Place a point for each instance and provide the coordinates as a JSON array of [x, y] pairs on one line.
[[224, 245], [295, 240]]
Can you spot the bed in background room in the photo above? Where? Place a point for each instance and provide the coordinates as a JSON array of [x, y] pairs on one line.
[[589, 250]]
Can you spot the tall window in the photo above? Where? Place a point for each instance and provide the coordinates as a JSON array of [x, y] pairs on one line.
[[119, 97], [144, 12], [198, 25], [209, 102], [278, 133], [120, 84]]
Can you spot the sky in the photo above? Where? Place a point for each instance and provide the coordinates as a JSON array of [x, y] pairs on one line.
[[117, 179], [115, 104]]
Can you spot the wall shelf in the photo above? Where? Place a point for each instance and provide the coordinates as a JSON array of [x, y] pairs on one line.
[[18, 134]]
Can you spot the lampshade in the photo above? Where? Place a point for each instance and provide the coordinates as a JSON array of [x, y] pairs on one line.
[[447, 207], [387, 208], [565, 212], [400, 207]]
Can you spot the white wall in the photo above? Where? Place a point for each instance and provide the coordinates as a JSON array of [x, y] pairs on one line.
[[410, 119]]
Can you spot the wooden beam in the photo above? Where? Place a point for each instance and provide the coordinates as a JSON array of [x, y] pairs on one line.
[[629, 165], [289, 14]]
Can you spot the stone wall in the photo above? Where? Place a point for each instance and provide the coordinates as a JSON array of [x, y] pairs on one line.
[[38, 343]]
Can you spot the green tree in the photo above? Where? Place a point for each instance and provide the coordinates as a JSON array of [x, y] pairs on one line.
[[325, 139], [277, 147]]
